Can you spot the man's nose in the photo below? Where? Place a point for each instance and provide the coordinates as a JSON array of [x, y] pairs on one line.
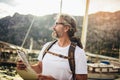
[[54, 27]]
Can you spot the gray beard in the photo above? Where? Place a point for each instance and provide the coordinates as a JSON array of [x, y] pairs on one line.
[[54, 35]]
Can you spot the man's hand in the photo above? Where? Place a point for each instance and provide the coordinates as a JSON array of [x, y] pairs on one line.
[[44, 77], [20, 65]]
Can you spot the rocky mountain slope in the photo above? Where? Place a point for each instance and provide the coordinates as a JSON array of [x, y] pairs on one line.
[[102, 37]]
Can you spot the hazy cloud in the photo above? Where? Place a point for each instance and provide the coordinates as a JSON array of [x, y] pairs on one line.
[[9, 2], [43, 7]]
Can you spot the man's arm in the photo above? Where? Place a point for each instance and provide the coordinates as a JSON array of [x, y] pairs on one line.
[[81, 76], [37, 67]]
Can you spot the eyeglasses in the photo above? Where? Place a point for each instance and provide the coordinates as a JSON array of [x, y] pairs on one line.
[[59, 23]]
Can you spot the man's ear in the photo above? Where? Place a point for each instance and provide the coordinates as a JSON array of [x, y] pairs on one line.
[[67, 28]]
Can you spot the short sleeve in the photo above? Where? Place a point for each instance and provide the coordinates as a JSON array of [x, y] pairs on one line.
[[42, 50], [80, 61]]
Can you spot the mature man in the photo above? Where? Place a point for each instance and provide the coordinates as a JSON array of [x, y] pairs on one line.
[[52, 66]]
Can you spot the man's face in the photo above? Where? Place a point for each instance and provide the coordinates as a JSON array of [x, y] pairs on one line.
[[58, 29]]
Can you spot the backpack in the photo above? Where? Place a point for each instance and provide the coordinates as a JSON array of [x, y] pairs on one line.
[[70, 56]]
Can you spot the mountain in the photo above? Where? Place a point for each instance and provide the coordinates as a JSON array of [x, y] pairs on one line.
[[103, 33]]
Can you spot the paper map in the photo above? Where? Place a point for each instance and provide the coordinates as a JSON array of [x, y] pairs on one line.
[[28, 73]]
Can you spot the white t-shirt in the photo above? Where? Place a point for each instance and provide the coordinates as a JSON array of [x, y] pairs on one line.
[[59, 67]]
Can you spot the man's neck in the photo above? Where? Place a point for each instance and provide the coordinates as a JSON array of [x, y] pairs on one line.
[[63, 42]]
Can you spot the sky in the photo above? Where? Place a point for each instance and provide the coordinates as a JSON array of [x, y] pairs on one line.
[[44, 7]]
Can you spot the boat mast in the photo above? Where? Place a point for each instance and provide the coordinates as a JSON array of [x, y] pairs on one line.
[[60, 7], [119, 53], [31, 45], [85, 24]]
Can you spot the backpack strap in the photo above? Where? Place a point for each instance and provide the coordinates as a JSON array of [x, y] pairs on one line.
[[48, 47], [70, 54], [72, 59]]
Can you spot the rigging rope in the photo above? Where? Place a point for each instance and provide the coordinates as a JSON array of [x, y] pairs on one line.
[[27, 32], [32, 24]]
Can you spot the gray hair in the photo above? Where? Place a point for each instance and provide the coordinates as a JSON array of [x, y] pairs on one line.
[[70, 21]]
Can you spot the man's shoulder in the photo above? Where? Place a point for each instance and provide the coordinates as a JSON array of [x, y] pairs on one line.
[[79, 50], [48, 43]]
